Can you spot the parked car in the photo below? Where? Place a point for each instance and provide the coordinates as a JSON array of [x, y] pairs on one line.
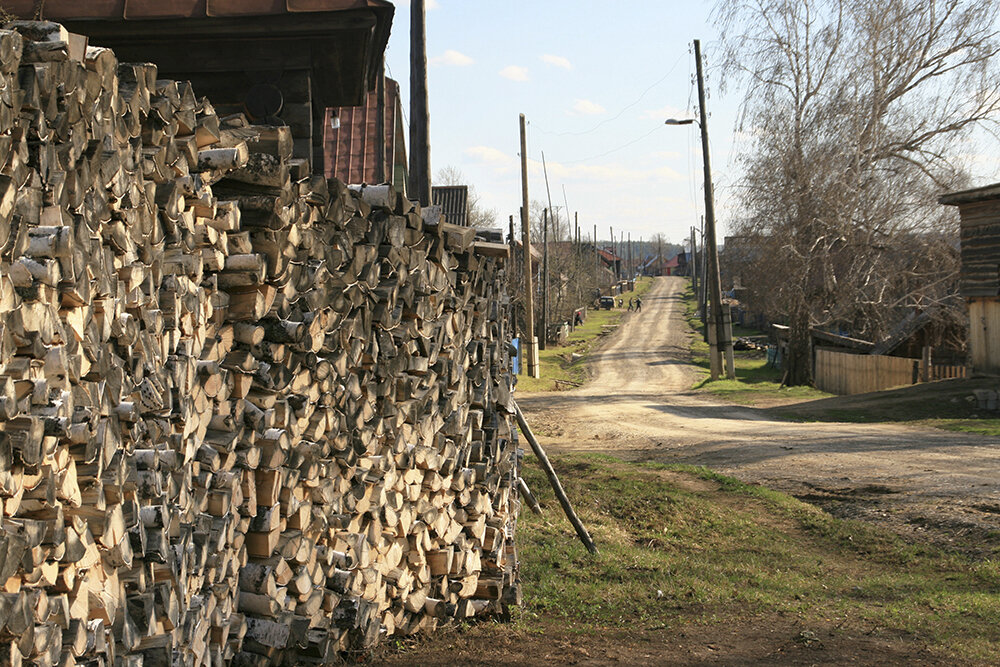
[[607, 302]]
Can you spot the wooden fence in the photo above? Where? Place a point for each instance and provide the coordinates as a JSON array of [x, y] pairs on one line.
[[943, 372], [842, 373]]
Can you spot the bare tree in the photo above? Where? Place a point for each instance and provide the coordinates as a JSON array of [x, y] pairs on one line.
[[479, 216], [856, 110]]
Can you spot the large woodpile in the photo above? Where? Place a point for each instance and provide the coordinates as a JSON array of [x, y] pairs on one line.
[[247, 414]]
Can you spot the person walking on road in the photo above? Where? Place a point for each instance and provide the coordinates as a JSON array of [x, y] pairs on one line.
[[638, 304], [631, 304]]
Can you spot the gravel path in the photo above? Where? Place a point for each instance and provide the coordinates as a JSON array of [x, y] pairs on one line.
[[943, 485]]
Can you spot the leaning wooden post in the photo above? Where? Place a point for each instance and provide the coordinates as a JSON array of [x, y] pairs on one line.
[[523, 489], [581, 531]]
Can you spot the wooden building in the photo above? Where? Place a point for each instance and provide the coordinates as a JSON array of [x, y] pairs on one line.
[[278, 61], [979, 210]]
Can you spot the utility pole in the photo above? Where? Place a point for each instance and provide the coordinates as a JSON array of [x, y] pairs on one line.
[[659, 254], [420, 146], [513, 259], [597, 259], [565, 208], [380, 127], [545, 279], [693, 267], [723, 336], [548, 195], [614, 255], [628, 253], [529, 346]]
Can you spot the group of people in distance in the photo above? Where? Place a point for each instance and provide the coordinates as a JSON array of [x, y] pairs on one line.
[[633, 304]]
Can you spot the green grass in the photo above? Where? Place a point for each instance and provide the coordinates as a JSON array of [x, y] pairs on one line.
[[685, 545], [946, 404], [983, 426], [557, 368], [755, 382]]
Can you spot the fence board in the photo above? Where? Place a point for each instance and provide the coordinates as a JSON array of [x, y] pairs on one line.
[[842, 373]]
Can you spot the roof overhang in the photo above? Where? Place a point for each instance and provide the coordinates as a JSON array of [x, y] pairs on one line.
[[984, 193], [341, 41]]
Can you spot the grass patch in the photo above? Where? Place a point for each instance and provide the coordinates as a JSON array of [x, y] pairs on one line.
[[946, 404], [685, 545], [557, 367], [756, 382]]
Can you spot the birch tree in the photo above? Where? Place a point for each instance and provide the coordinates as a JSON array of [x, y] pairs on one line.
[[857, 112]]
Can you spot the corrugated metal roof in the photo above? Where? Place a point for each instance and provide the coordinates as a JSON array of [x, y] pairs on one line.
[[170, 9], [454, 201], [351, 150]]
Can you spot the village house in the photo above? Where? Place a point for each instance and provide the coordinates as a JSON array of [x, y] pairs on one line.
[[979, 210]]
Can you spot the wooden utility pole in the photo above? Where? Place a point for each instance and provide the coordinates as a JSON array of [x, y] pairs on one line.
[[628, 253], [723, 339], [529, 346], [548, 196], [545, 280], [693, 268], [565, 208], [420, 145], [597, 259], [513, 259], [380, 127], [614, 255], [659, 254]]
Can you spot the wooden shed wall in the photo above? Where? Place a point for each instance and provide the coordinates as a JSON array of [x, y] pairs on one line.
[[984, 335], [980, 248]]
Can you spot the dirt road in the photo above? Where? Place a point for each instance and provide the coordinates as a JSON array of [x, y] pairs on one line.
[[919, 481]]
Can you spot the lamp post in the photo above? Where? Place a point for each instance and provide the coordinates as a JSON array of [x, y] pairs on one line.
[[723, 337]]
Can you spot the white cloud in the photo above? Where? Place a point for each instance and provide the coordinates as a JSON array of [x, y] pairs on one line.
[[452, 57], [605, 174], [493, 157], [588, 108], [664, 113], [431, 4], [514, 73], [557, 61]]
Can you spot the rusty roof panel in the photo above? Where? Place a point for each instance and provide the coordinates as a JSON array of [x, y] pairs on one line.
[[58, 10], [351, 149]]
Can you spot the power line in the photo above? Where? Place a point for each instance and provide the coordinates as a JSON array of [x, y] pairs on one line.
[[620, 113], [614, 150]]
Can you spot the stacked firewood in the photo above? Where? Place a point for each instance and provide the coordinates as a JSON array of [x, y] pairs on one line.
[[247, 414]]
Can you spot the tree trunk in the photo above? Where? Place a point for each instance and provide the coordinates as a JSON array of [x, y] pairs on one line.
[[798, 363]]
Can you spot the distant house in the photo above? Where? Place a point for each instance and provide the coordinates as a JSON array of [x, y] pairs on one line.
[[351, 143], [672, 264], [610, 260], [979, 210]]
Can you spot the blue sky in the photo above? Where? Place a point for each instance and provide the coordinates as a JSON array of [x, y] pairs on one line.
[[595, 80]]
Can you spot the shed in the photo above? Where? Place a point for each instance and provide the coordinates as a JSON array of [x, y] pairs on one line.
[[979, 210], [281, 61]]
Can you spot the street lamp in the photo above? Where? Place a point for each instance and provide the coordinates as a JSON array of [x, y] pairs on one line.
[[723, 337]]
